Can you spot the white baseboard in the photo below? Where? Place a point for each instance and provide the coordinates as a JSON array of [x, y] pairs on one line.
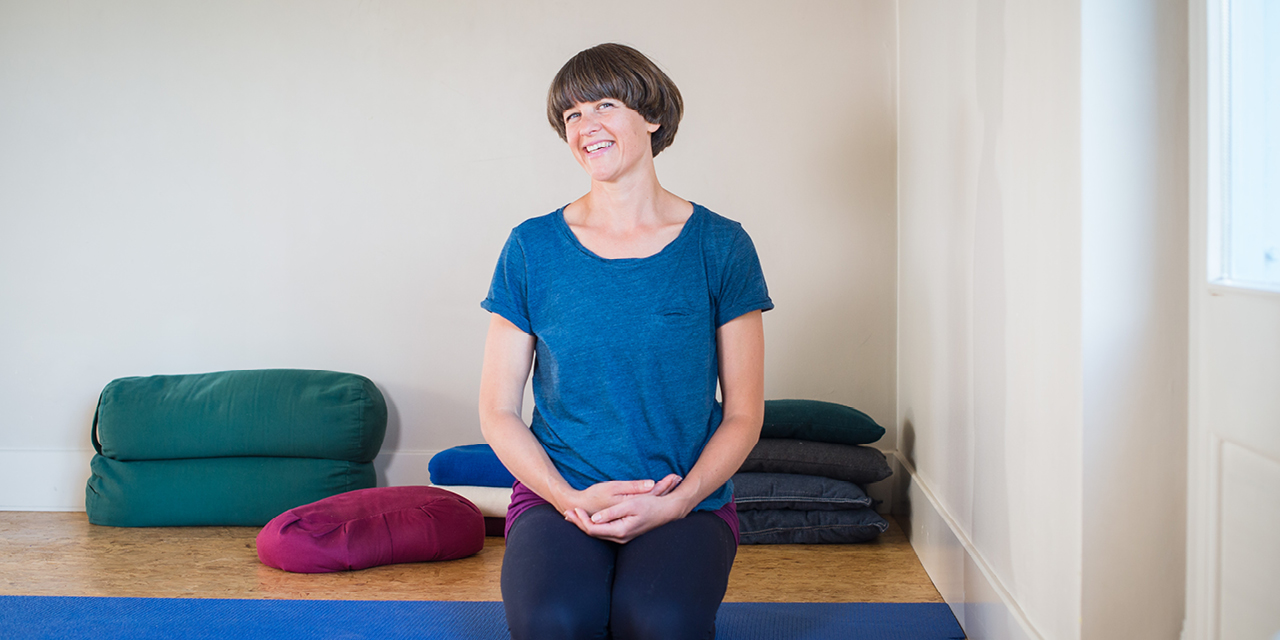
[[402, 468], [43, 479], [981, 603]]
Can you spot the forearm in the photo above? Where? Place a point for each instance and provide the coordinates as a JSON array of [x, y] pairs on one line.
[[508, 357], [720, 459], [522, 455]]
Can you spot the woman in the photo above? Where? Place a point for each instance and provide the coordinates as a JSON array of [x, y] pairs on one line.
[[636, 303]]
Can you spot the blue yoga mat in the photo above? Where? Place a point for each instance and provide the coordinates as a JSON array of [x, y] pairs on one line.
[[143, 618]]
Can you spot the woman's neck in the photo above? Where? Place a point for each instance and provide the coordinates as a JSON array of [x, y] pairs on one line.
[[636, 222]]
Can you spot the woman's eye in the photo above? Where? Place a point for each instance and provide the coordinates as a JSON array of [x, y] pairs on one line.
[[606, 104], [570, 117]]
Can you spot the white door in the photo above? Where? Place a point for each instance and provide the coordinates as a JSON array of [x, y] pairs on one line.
[[1233, 568], [1235, 491]]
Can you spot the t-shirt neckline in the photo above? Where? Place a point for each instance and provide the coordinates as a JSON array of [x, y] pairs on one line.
[[573, 239]]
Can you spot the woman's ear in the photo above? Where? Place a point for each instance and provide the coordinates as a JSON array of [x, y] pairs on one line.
[[652, 126]]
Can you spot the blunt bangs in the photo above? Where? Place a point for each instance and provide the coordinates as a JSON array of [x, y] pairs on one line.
[[622, 73]]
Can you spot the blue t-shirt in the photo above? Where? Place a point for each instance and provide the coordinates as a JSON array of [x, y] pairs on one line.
[[625, 369]]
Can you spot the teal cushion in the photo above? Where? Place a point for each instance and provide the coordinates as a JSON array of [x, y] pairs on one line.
[[268, 412], [213, 491], [818, 421]]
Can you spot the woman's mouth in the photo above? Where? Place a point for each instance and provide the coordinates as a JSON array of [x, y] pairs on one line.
[[596, 146]]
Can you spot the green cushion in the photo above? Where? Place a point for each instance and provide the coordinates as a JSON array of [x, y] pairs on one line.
[[213, 491], [818, 421], [268, 412]]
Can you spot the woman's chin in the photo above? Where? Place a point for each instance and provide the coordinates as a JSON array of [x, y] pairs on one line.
[[609, 173], [603, 176]]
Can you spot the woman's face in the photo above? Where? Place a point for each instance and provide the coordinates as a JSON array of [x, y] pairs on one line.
[[608, 138]]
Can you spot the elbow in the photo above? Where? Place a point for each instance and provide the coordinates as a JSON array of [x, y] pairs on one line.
[[746, 424], [487, 420]]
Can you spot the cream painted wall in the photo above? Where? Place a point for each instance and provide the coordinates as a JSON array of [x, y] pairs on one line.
[[1136, 314], [990, 358], [1044, 313], [203, 186]]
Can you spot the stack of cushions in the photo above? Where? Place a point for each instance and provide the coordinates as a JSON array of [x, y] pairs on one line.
[[474, 472], [372, 527], [230, 448], [803, 483]]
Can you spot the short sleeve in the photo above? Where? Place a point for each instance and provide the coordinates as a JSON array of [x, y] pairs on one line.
[[508, 292], [742, 285]]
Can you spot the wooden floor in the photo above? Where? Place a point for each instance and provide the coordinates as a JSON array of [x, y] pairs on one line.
[[62, 554]]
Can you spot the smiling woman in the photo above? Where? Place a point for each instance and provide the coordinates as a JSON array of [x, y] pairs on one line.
[[623, 74], [608, 138], [637, 304]]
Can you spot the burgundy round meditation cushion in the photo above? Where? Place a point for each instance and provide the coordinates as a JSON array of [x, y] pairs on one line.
[[371, 527]]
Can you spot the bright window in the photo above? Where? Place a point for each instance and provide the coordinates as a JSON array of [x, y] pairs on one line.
[[1250, 207]]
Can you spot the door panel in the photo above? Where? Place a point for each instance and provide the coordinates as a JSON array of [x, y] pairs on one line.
[[1249, 591], [1241, 375]]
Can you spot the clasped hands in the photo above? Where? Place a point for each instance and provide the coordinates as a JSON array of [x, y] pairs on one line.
[[621, 510]]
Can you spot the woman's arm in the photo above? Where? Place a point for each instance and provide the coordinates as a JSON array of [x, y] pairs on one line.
[[741, 357], [508, 356]]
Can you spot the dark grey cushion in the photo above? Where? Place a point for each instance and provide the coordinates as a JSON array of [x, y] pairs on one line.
[[783, 526], [851, 463], [757, 491]]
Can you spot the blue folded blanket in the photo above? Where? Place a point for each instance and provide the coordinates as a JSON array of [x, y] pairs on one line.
[[470, 464]]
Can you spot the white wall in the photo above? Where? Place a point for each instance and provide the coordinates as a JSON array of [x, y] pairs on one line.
[[990, 309], [203, 186], [1043, 310], [1135, 233]]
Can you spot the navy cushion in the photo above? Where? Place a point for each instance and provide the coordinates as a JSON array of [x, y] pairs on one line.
[[783, 526], [470, 464], [762, 491]]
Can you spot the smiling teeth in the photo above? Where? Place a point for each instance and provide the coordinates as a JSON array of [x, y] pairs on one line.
[[597, 146]]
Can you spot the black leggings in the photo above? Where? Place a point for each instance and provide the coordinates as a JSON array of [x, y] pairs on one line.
[[558, 582]]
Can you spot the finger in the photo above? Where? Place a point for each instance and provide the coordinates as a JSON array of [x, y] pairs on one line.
[[624, 510], [616, 512], [571, 518], [583, 518], [666, 485], [613, 530], [632, 487]]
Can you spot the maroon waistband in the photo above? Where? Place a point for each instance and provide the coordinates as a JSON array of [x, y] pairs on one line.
[[523, 498]]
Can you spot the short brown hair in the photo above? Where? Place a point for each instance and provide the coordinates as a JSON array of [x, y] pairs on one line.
[[617, 71]]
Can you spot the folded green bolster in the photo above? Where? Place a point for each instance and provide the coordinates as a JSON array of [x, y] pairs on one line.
[[269, 412], [213, 491]]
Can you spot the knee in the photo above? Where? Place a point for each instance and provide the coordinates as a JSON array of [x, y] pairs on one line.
[[556, 621], [662, 621]]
